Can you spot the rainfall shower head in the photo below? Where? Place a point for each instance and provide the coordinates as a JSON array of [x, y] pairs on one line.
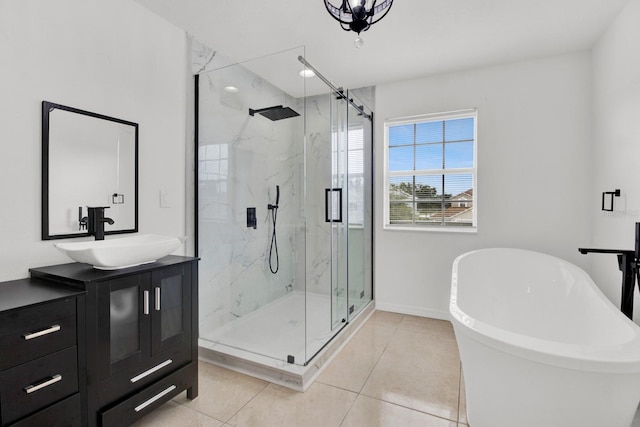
[[277, 112]]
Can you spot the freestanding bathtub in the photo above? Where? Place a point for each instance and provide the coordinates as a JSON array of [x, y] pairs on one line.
[[540, 345]]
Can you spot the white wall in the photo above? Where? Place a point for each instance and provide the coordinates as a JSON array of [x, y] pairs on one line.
[[534, 141], [616, 144], [115, 58]]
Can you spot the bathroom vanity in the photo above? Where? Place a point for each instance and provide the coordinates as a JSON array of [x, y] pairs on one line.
[[42, 378], [140, 345]]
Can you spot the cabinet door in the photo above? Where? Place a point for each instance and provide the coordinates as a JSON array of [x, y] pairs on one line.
[[123, 323], [171, 325]]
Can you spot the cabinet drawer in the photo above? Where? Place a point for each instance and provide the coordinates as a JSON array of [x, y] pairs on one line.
[[64, 413], [32, 386], [142, 375], [36, 331], [149, 398]]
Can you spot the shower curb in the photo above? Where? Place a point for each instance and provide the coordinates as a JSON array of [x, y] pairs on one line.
[[295, 377]]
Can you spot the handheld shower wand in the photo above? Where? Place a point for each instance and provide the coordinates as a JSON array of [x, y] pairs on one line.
[[274, 241], [275, 206]]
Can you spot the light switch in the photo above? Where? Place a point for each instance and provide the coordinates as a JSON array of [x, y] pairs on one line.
[[165, 201]]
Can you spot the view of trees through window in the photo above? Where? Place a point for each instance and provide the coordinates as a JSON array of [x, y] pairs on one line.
[[431, 171]]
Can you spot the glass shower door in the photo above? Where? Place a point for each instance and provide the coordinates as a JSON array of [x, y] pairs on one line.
[[337, 212], [359, 165]]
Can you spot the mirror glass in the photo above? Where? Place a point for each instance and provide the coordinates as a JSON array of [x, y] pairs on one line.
[[88, 159]]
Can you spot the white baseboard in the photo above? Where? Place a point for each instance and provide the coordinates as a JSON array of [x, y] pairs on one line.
[[413, 310]]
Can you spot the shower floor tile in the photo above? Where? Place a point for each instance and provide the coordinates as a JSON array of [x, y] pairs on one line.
[[280, 328]]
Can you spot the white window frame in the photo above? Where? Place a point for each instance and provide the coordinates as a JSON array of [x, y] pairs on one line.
[[458, 114]]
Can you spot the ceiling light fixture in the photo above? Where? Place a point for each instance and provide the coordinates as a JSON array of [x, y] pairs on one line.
[[307, 73], [231, 89], [358, 15]]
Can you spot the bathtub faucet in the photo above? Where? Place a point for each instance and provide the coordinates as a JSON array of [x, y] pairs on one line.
[[628, 261]]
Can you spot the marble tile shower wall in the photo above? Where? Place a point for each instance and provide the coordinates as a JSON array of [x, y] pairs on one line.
[[242, 159], [318, 232]]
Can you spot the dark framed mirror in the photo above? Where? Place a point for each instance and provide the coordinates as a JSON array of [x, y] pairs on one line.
[[88, 160]]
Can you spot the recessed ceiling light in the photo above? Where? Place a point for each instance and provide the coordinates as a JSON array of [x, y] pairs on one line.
[[231, 89], [307, 73]]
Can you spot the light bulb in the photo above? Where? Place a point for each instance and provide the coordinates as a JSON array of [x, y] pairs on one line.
[[307, 73], [358, 42]]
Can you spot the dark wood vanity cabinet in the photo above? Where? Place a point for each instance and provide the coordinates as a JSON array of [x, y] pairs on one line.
[[42, 377], [142, 335]]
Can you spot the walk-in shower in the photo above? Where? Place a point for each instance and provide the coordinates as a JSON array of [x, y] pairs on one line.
[[277, 289]]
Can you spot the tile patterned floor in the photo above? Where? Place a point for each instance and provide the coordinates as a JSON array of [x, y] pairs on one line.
[[396, 371]]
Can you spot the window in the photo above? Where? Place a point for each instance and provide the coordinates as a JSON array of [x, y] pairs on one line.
[[431, 171], [213, 171]]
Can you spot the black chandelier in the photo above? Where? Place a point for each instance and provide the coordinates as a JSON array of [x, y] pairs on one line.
[[361, 15]]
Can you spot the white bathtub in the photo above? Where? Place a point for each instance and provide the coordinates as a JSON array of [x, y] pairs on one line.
[[540, 344]]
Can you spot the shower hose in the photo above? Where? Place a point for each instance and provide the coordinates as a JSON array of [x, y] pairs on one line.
[[274, 242]]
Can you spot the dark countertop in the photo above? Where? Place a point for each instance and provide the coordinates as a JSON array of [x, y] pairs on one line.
[[21, 293], [79, 274]]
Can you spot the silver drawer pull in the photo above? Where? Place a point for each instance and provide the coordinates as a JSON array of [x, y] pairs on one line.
[[143, 405], [54, 379], [32, 335], [151, 371], [157, 298]]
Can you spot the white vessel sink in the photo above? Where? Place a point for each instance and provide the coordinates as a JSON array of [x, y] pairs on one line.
[[123, 252]]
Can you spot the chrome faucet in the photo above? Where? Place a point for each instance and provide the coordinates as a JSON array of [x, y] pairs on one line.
[[96, 220]]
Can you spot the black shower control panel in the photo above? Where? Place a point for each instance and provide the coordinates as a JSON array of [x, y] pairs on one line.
[[251, 218]]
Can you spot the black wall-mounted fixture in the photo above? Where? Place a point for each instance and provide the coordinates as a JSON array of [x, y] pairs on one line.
[[251, 218], [277, 112], [273, 247], [117, 199], [333, 205], [628, 263], [612, 194]]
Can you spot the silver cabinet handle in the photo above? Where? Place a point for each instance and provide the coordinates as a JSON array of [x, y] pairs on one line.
[[151, 371], [157, 298], [146, 302], [32, 335], [54, 379], [146, 403]]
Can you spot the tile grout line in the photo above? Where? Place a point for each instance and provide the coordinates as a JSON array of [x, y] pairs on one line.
[[412, 409], [346, 414], [185, 406], [380, 357], [457, 415], [248, 401], [359, 392]]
